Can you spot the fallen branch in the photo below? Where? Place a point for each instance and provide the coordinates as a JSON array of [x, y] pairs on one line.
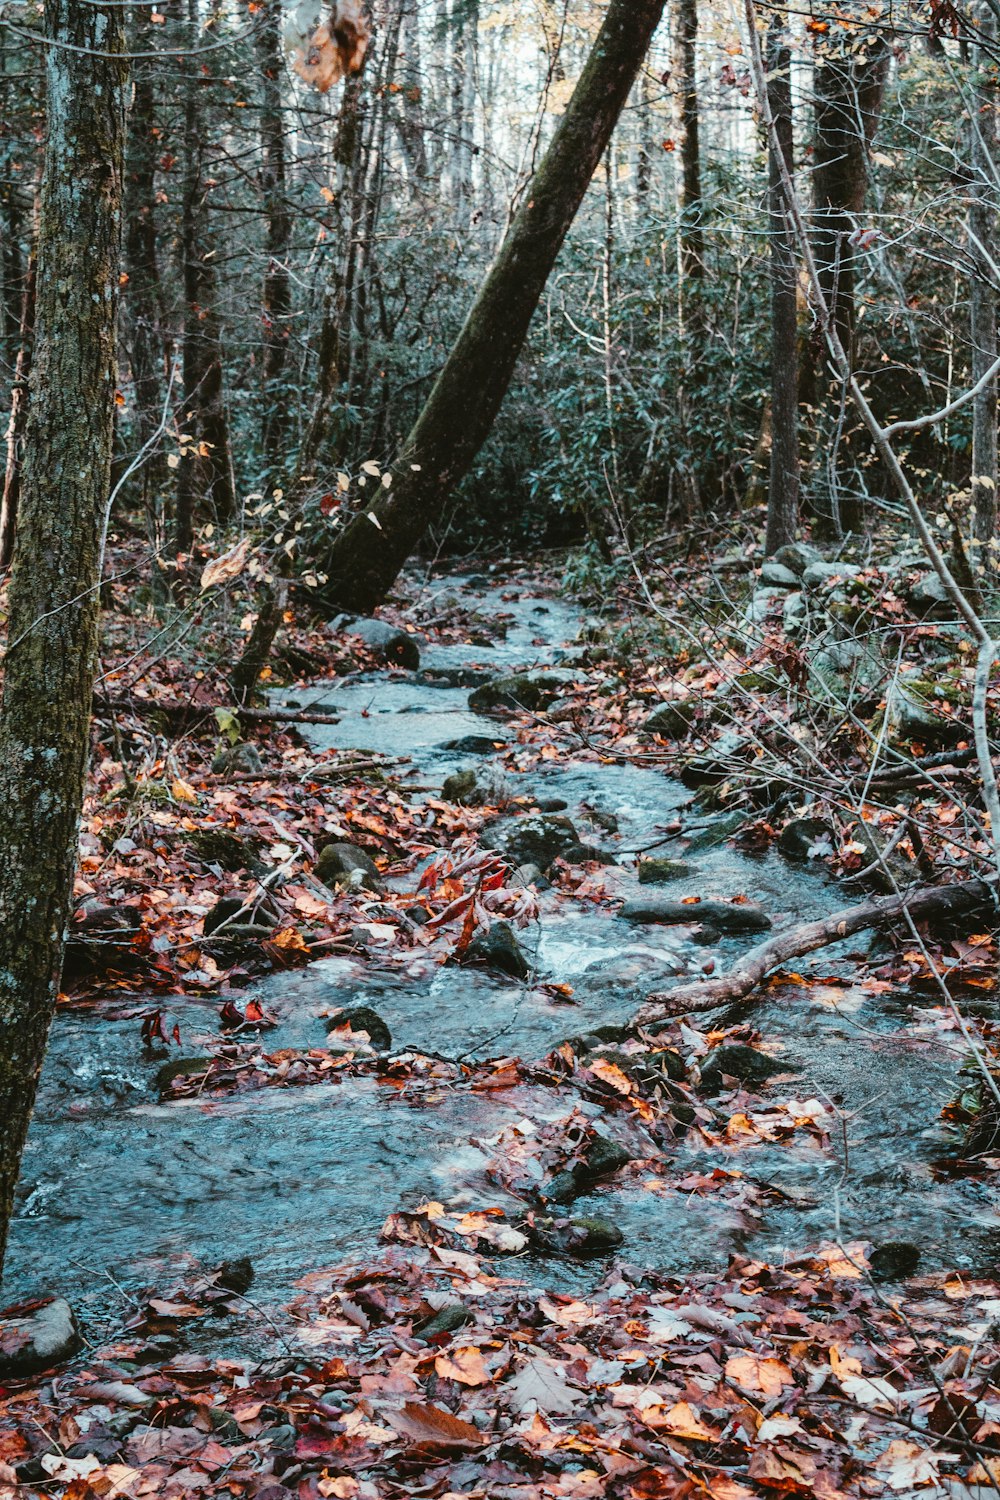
[[749, 971], [181, 713]]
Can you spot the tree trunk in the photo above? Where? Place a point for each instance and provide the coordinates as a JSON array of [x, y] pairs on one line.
[[143, 312], [684, 25], [412, 130], [18, 417], [783, 490], [53, 605], [207, 468], [365, 558], [983, 300], [277, 283]]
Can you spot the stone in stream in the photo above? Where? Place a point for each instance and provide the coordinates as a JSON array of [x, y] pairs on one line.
[[539, 839], [347, 865], [728, 916], [658, 871], [180, 1067], [728, 754], [474, 744], [894, 1261], [534, 691], [387, 642], [462, 788], [35, 1336], [806, 838], [498, 949], [741, 1062], [601, 1158], [672, 719], [449, 1319], [718, 831], [364, 1019]]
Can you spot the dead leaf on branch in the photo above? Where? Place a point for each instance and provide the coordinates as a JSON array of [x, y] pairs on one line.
[[227, 567], [336, 48]]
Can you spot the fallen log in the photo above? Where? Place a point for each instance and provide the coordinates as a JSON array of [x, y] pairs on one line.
[[748, 972], [182, 713]]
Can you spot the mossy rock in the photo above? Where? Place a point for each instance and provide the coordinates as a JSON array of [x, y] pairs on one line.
[[226, 848], [663, 871]]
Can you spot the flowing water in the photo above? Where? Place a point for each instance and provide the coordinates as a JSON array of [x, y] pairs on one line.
[[116, 1183]]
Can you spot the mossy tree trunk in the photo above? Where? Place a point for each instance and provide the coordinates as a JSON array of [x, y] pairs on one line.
[[364, 559], [53, 602]]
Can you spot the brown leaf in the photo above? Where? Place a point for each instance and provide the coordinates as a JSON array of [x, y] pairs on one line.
[[336, 48], [429, 1424]]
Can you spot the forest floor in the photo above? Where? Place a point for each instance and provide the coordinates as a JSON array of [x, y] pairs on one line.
[[742, 1253]]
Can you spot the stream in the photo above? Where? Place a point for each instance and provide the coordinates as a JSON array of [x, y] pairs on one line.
[[117, 1185]]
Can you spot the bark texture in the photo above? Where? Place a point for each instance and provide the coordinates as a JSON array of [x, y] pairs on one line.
[[366, 557], [277, 283], [684, 25], [982, 295], [53, 606], [783, 489]]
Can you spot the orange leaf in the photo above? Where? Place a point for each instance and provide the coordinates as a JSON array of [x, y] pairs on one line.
[[465, 1365], [437, 1428]]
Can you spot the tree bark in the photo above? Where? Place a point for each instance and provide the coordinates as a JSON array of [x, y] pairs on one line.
[[277, 283], [783, 489], [684, 25], [365, 558], [18, 416], [53, 604], [983, 297]]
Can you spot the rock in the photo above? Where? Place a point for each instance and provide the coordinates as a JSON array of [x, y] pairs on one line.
[[776, 576], [526, 875], [717, 764], [453, 677], [35, 1336], [562, 1188], [819, 573], [499, 949], [795, 615], [461, 788], [449, 1319], [717, 832], [661, 871], [706, 936], [728, 917], [672, 719], [180, 1067], [895, 1260], [223, 847], [765, 601], [797, 556], [228, 907], [551, 804], [601, 1158], [587, 854], [799, 838], [912, 719], [538, 839], [473, 744], [593, 1236], [236, 759], [841, 666], [929, 597], [743, 1063], [387, 643], [531, 690], [347, 865], [363, 1018], [236, 1275]]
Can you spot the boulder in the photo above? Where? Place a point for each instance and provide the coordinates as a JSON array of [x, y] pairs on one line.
[[895, 1260], [387, 643], [347, 865], [601, 1158], [461, 788], [797, 556], [818, 574], [929, 597], [35, 1336], [662, 871], [538, 839], [672, 719], [729, 917], [741, 1062], [910, 718], [717, 764], [776, 576], [233, 760], [497, 948], [363, 1018], [534, 691], [806, 838], [226, 848], [795, 615], [473, 744], [587, 854]]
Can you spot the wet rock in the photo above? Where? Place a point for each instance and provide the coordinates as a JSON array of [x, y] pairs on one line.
[[775, 575], [223, 911], [930, 598], [387, 643], [587, 854], [473, 744], [35, 1336], [593, 1236], [551, 804], [648, 1069], [363, 1018], [526, 875], [347, 865], [912, 719], [223, 847], [538, 839], [236, 1275], [717, 764], [180, 1067], [743, 1063], [706, 936], [449, 1319], [727, 916], [563, 1188], [601, 1158], [534, 691], [672, 719], [662, 871], [498, 949], [453, 677], [818, 574], [462, 788], [797, 556], [895, 1260], [806, 838], [718, 831]]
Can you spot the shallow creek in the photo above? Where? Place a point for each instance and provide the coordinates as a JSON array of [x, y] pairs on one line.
[[116, 1183]]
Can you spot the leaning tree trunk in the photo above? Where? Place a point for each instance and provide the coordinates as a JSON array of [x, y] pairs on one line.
[[783, 490], [983, 298], [277, 281], [365, 558], [53, 604]]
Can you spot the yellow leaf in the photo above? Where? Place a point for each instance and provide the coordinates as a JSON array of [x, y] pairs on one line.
[[181, 791]]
